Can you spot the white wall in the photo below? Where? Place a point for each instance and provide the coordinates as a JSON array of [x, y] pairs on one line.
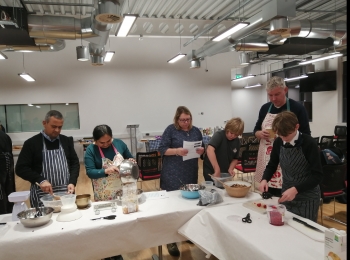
[[137, 87], [326, 105]]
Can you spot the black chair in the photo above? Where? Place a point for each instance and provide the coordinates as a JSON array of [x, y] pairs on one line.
[[248, 164], [150, 165], [317, 139], [253, 146], [340, 131], [326, 142], [332, 185]]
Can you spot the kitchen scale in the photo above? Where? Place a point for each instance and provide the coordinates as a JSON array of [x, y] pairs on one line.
[[19, 199], [69, 210]]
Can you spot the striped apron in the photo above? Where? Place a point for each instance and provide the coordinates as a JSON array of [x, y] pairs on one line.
[[55, 170], [265, 149], [106, 188], [297, 170]]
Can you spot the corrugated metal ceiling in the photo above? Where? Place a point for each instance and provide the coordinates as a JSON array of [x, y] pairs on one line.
[[197, 14]]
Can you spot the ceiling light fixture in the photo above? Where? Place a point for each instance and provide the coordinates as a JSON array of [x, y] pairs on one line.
[[254, 86], [246, 77], [244, 58], [296, 78], [109, 54], [238, 26], [326, 57], [82, 51], [179, 55], [195, 64], [127, 23], [3, 56], [25, 75]]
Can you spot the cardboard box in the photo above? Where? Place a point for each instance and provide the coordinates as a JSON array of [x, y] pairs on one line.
[[335, 244]]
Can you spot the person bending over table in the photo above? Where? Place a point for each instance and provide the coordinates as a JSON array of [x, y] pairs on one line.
[[175, 170], [48, 159], [299, 158], [101, 161], [223, 150], [277, 91]]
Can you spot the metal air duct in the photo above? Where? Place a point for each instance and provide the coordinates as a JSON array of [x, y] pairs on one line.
[[308, 29], [270, 11]]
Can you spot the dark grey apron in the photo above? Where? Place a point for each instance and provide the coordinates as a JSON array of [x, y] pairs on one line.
[[55, 170], [296, 170]]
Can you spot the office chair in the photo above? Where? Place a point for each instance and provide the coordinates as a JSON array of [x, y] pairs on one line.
[[150, 165], [326, 142], [332, 186], [248, 164]]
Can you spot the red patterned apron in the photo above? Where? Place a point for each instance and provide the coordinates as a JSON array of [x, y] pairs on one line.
[[265, 149]]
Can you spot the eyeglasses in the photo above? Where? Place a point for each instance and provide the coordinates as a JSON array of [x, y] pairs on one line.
[[185, 120]]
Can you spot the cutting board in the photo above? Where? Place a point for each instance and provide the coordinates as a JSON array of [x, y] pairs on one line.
[[313, 234], [251, 205]]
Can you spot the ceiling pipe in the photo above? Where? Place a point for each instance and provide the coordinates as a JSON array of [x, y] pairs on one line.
[[49, 32], [253, 46], [308, 29], [270, 11], [211, 26]]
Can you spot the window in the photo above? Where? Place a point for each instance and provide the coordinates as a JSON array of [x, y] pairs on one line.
[[28, 118]]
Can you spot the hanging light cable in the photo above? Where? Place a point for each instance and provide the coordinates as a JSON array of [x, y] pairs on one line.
[[179, 55], [25, 75], [82, 51]]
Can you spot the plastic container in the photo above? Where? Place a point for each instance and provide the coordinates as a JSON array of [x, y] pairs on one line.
[[223, 177], [19, 196], [49, 201], [207, 184], [275, 214]]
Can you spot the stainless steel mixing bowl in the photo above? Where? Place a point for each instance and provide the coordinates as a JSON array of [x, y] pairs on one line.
[[29, 219]]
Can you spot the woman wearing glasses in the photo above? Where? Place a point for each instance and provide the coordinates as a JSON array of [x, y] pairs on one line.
[[175, 169]]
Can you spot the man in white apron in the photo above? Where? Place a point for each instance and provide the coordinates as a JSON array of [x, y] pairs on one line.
[[48, 160], [277, 93]]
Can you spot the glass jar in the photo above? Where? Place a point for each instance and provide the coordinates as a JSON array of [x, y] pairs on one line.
[[275, 214]]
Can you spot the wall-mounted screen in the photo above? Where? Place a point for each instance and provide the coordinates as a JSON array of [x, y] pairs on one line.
[[319, 81]]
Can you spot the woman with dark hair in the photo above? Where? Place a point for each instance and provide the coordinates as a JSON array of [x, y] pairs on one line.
[[175, 170], [101, 161]]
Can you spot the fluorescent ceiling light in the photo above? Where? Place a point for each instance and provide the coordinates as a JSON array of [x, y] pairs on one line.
[[3, 56], [30, 105], [109, 56], [176, 58], [26, 76], [296, 78], [253, 86], [230, 31], [128, 22], [246, 77], [329, 56], [38, 106], [67, 104]]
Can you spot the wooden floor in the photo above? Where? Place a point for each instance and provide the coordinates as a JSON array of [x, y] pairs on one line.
[[188, 251]]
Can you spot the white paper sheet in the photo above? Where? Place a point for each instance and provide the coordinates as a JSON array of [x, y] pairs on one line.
[[156, 195], [191, 147]]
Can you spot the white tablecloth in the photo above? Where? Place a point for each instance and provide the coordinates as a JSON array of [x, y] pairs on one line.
[[221, 232], [156, 223]]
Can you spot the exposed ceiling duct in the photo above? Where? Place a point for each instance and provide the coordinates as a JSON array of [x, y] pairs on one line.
[[284, 37], [49, 32]]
